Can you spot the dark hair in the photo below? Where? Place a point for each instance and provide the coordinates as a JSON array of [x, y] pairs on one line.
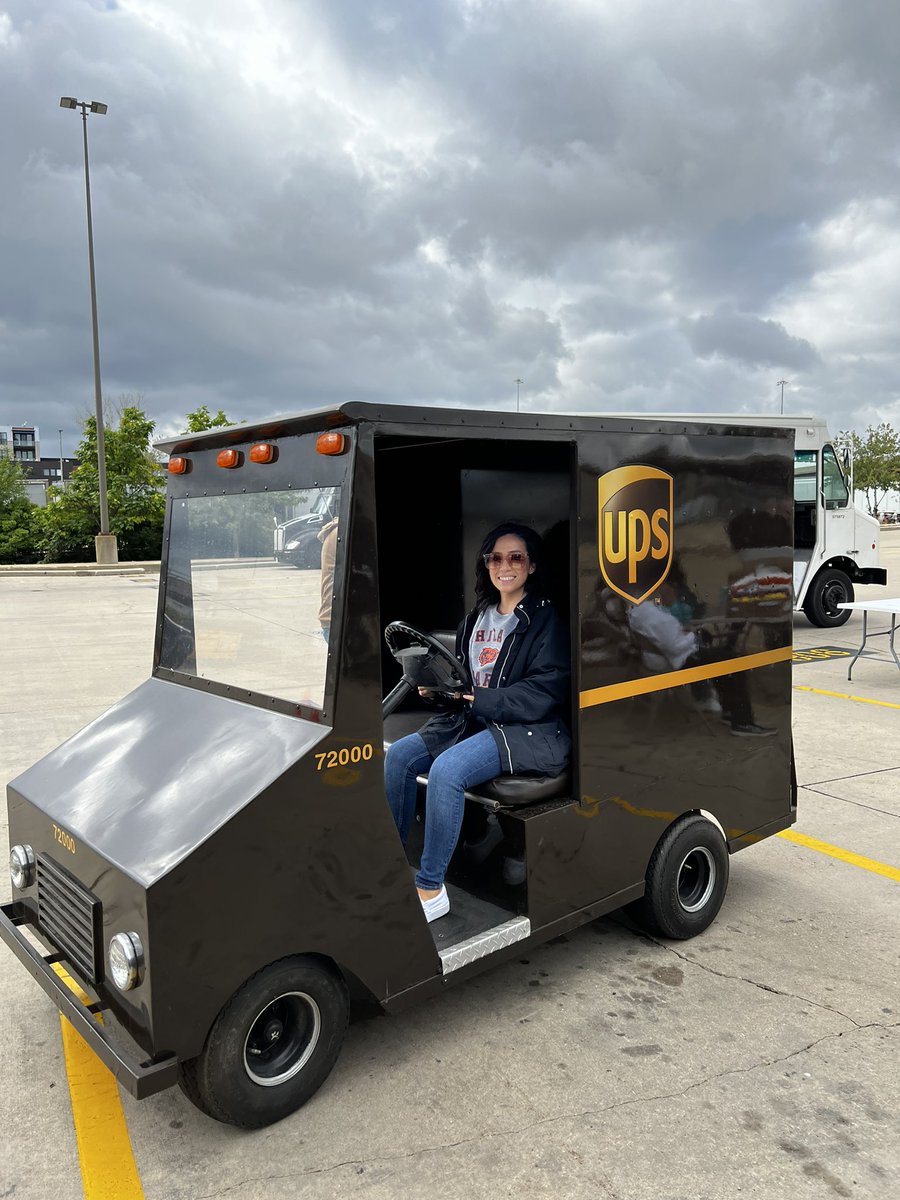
[[485, 592]]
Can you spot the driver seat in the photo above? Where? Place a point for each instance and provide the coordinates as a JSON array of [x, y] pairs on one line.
[[517, 791]]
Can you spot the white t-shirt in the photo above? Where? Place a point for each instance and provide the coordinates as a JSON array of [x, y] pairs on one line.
[[484, 645]]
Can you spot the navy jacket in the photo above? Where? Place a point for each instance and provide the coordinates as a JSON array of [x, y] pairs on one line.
[[527, 701]]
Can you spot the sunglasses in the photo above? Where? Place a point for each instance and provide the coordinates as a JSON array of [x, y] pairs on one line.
[[516, 559]]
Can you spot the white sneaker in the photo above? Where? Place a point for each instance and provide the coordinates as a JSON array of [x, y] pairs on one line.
[[438, 906]]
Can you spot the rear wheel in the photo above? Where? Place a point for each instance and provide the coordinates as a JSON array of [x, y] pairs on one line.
[[272, 1046], [686, 880], [829, 589]]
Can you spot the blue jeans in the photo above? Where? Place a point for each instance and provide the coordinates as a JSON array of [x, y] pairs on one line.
[[471, 761]]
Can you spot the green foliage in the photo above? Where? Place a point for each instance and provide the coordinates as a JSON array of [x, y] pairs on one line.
[[238, 526], [876, 461], [12, 481], [135, 493], [17, 531], [199, 419]]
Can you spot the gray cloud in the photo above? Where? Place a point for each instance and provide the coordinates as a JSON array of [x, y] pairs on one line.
[[749, 340]]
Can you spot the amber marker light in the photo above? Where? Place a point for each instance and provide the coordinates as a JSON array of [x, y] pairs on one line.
[[179, 466], [228, 458], [262, 452], [330, 443]]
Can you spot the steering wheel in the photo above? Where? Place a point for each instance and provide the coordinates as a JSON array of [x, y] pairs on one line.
[[425, 662]]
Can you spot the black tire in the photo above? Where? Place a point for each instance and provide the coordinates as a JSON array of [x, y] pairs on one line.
[[187, 1081], [309, 556], [829, 588], [687, 878], [272, 1046]]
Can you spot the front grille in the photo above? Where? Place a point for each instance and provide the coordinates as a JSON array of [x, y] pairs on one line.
[[69, 915]]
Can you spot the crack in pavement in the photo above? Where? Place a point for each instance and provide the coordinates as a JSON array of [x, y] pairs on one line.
[[818, 790], [546, 1121], [763, 987], [855, 775]]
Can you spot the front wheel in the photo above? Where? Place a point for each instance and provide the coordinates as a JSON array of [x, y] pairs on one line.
[[686, 880], [829, 589], [272, 1046]]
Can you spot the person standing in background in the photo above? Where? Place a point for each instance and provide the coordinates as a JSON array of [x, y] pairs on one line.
[[328, 538]]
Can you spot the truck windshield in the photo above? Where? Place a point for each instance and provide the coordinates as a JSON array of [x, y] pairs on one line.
[[234, 613]]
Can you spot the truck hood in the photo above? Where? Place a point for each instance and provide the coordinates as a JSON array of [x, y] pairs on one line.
[[159, 772]]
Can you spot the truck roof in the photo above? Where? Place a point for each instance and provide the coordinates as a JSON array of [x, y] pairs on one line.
[[357, 411], [810, 433]]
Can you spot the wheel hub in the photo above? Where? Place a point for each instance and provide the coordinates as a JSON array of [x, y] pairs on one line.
[[282, 1038], [834, 595], [696, 879]]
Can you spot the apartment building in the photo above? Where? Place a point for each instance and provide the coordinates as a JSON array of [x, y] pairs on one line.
[[22, 442]]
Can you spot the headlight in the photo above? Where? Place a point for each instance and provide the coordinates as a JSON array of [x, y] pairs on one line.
[[21, 866], [126, 960]]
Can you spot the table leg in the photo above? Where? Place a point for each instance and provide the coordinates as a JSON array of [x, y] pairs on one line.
[[861, 648], [893, 627]]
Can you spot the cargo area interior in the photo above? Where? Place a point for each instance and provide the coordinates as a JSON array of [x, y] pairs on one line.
[[436, 499]]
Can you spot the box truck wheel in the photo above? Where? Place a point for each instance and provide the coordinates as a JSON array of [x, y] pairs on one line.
[[686, 880], [829, 589], [272, 1046]]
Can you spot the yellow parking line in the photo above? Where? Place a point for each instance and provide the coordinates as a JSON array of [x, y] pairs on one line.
[[847, 856], [108, 1169], [844, 696]]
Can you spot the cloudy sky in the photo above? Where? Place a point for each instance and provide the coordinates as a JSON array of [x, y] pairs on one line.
[[631, 205]]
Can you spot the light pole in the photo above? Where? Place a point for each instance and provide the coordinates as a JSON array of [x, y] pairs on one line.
[[105, 542], [519, 382], [60, 460], [781, 383]]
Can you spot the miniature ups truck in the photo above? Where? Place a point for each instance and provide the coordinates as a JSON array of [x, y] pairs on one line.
[[213, 859]]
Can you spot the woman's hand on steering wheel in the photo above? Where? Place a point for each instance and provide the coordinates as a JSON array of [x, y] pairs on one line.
[[426, 693]]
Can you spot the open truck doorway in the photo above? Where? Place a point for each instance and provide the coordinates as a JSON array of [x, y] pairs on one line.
[[436, 500]]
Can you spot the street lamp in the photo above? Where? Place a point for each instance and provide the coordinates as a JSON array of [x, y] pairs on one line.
[[519, 382], [105, 542], [781, 383]]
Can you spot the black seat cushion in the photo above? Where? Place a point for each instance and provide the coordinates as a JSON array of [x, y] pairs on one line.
[[512, 791]]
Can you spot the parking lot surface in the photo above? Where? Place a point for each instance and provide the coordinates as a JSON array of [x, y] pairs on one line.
[[758, 1060]]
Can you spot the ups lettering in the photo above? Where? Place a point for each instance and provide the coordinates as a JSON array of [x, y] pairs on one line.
[[660, 524], [634, 536]]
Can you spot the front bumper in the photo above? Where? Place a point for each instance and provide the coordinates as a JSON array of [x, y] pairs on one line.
[[140, 1078]]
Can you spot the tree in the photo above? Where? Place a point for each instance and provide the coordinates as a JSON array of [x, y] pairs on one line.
[[876, 462], [12, 481], [199, 419], [17, 531], [135, 490]]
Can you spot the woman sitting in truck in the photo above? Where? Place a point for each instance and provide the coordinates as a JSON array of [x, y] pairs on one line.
[[511, 723]]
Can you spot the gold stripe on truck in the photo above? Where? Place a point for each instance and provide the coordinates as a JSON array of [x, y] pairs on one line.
[[659, 683]]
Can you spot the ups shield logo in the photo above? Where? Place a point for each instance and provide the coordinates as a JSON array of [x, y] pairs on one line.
[[635, 530]]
